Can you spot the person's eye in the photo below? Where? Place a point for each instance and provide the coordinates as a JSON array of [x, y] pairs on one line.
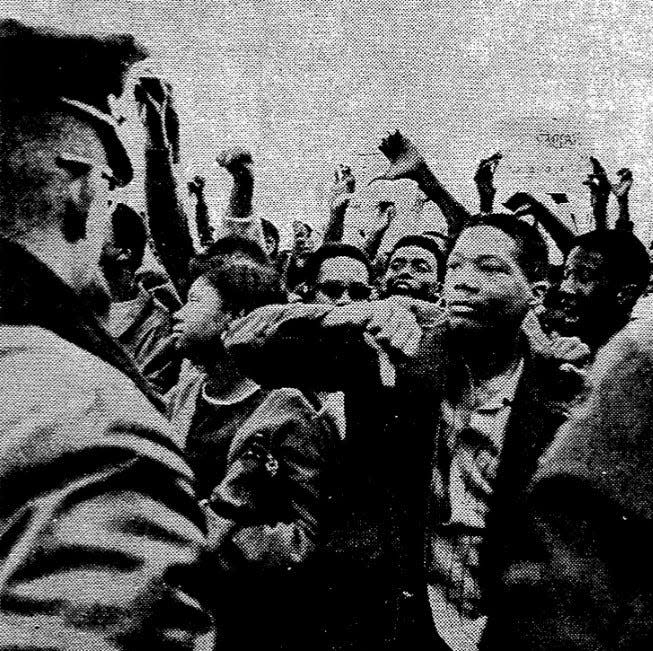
[[395, 266], [422, 267], [490, 268], [453, 264]]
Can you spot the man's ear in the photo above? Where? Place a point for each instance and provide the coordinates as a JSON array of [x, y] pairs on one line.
[[538, 292], [628, 295]]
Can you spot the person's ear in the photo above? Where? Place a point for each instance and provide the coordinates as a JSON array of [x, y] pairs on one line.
[[538, 292], [628, 295]]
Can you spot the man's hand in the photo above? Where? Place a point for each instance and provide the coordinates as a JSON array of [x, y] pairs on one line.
[[245, 483], [598, 183], [156, 110], [235, 160], [383, 219], [569, 350], [405, 159], [484, 179], [391, 325], [621, 188], [344, 182], [484, 175], [196, 186]]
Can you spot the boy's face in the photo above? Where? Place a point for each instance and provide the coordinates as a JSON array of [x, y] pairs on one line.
[[202, 320]]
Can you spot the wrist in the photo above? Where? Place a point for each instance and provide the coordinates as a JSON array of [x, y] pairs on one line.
[[156, 139]]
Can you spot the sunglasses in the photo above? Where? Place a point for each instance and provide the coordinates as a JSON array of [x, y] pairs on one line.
[[334, 289]]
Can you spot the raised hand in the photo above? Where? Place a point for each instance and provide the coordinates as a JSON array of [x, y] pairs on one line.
[[621, 188], [344, 182], [156, 109], [405, 159], [234, 160], [486, 168], [597, 181], [484, 179], [196, 186]]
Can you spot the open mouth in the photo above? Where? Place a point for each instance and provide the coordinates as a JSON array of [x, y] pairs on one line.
[[401, 285]]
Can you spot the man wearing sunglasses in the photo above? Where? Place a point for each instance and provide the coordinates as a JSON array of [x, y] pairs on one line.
[[337, 274], [101, 534]]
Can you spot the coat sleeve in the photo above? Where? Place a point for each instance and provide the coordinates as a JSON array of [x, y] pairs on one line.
[[577, 569], [287, 346], [287, 515], [101, 542]]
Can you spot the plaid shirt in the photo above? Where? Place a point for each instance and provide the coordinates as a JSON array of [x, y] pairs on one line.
[[467, 457]]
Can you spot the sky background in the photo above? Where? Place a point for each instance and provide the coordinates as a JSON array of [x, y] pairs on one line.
[[306, 84]]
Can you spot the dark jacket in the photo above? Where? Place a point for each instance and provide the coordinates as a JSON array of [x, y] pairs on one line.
[[577, 572], [145, 331], [101, 538], [378, 578]]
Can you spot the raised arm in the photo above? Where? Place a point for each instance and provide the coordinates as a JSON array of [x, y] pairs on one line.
[[484, 179], [204, 229], [621, 191], [341, 194], [599, 187], [385, 215], [239, 218], [167, 219], [406, 162]]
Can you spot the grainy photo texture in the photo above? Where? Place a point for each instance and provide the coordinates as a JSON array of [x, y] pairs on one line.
[[326, 325]]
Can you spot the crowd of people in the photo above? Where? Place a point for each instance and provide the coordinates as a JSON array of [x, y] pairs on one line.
[[438, 442]]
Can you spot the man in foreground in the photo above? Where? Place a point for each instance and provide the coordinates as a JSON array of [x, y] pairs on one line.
[[436, 455], [101, 534]]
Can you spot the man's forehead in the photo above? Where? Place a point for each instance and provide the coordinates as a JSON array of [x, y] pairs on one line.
[[413, 252], [341, 264], [587, 257], [480, 241]]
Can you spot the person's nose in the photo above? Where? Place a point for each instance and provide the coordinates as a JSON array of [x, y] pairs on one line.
[[463, 279], [179, 314], [345, 299]]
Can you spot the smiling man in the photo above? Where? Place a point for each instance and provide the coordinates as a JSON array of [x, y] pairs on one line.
[[605, 273], [415, 268]]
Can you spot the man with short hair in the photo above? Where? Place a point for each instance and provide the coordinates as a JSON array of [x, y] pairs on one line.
[[605, 273], [415, 268], [337, 274], [435, 461], [137, 319], [101, 534]]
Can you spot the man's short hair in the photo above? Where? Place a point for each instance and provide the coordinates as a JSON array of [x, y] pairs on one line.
[[270, 230], [244, 284], [532, 250], [624, 254], [129, 232], [226, 248], [427, 243], [329, 251]]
